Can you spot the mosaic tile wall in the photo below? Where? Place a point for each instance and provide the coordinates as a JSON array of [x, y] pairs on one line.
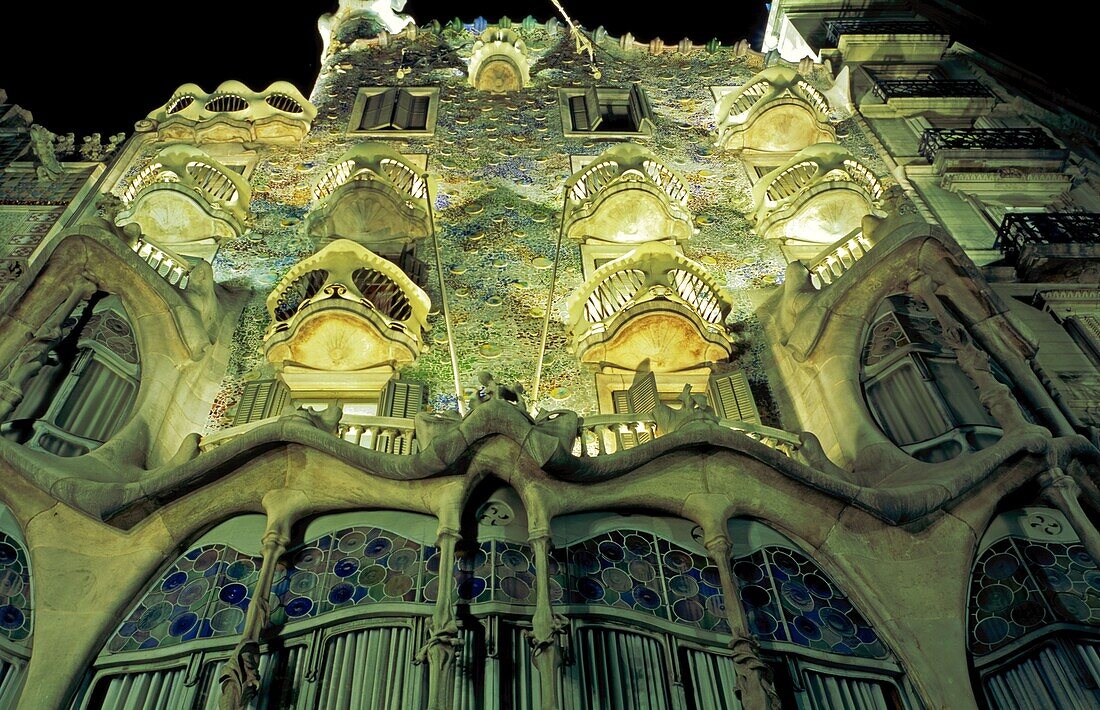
[[501, 163]]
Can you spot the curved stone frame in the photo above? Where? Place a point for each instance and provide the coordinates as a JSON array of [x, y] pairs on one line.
[[372, 170], [170, 326], [503, 46], [351, 314], [788, 201], [655, 291], [930, 345], [781, 92], [16, 591], [278, 114], [613, 186], [182, 181], [1029, 525]]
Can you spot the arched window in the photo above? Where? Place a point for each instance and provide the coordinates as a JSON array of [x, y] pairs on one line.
[[16, 615], [823, 651], [1034, 614], [915, 389], [86, 387]]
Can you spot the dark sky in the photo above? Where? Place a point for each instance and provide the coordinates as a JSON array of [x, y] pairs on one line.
[[87, 71]]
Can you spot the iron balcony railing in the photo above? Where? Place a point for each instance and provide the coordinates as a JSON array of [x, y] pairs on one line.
[[936, 139], [887, 89], [835, 28], [1019, 231]]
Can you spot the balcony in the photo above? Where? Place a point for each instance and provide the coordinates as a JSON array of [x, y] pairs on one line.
[[989, 163], [344, 320], [175, 272], [777, 111], [957, 97], [838, 259], [652, 304], [609, 433], [234, 113], [498, 62], [818, 197], [374, 196], [1043, 245], [186, 203], [901, 39], [627, 196]]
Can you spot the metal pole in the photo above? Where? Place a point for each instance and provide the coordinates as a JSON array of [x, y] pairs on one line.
[[549, 305], [443, 297]]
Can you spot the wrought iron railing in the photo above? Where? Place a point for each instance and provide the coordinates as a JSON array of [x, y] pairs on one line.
[[835, 28], [1019, 230], [937, 139], [887, 89]]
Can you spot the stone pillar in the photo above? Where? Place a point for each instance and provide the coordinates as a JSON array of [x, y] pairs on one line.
[[32, 356], [547, 628], [443, 637], [754, 681], [240, 680], [995, 396], [1060, 490]]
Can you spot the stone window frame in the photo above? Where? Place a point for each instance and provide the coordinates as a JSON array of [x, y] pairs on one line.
[[366, 92], [646, 124]]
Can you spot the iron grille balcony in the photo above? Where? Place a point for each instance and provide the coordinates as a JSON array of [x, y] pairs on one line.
[[1019, 232], [887, 89], [836, 28], [937, 139]]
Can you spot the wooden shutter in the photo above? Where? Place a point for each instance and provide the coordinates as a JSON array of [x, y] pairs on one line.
[[412, 112], [585, 110], [642, 395], [402, 399], [638, 106], [592, 108], [732, 399], [378, 112], [261, 399]]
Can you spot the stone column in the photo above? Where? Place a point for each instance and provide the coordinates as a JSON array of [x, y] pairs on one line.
[[443, 636], [994, 395], [547, 628], [754, 681], [1060, 490], [33, 355]]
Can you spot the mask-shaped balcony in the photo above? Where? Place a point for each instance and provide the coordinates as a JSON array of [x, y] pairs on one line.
[[186, 203], [777, 111], [652, 303], [816, 198], [499, 62], [233, 113], [373, 196], [343, 320], [627, 196]]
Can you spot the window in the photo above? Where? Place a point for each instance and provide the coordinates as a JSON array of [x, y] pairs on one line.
[[915, 388], [605, 111], [1033, 614], [395, 111]]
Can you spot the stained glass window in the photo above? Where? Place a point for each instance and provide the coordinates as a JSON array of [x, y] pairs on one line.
[[787, 598], [355, 565], [15, 591], [204, 594]]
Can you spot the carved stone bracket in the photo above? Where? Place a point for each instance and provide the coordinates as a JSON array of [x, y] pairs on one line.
[[1062, 491]]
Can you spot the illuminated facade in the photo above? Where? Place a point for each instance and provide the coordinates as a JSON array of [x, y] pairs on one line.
[[814, 328]]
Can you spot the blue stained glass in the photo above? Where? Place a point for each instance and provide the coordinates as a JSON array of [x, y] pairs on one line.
[[10, 617], [182, 624], [346, 567], [299, 607], [15, 591], [341, 593], [174, 581], [233, 593], [788, 599]]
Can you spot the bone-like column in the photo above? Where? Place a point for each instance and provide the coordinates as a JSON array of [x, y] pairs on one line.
[[443, 636], [548, 629]]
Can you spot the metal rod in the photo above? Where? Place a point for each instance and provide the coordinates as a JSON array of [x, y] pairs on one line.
[[443, 296], [549, 306]]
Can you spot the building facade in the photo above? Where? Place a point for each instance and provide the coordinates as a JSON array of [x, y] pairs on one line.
[[524, 366]]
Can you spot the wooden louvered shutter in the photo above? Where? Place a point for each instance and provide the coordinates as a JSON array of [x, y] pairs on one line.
[[402, 399], [585, 110], [412, 112], [642, 395], [261, 399], [732, 399], [378, 111], [638, 107], [592, 108]]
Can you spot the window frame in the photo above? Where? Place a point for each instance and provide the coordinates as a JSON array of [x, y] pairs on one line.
[[365, 93], [606, 94]]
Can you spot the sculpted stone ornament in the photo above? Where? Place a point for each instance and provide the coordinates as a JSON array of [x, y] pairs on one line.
[[491, 389], [755, 687], [327, 420], [240, 680], [693, 410], [44, 147]]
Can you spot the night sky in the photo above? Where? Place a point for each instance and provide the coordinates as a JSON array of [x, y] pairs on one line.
[[89, 72]]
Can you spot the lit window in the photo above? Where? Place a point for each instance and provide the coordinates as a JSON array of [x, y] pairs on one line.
[[605, 111], [395, 111]]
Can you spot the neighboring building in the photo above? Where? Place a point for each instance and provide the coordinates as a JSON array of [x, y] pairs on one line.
[[815, 329]]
